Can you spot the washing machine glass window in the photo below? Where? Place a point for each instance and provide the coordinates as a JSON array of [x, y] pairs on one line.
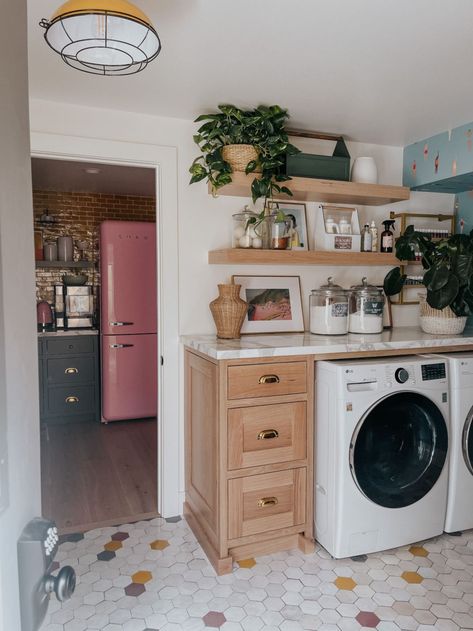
[[398, 449], [468, 441]]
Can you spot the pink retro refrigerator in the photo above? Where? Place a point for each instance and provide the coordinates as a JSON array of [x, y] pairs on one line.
[[128, 319]]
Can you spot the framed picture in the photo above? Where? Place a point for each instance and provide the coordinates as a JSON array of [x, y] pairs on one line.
[[274, 304], [387, 311], [297, 212]]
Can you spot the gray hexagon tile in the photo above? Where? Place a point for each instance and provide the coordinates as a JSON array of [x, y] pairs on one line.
[[153, 575]]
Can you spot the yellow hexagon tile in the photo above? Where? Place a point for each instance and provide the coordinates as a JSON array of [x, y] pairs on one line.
[[345, 582], [248, 563], [419, 551], [412, 577], [159, 544], [113, 545], [141, 577]]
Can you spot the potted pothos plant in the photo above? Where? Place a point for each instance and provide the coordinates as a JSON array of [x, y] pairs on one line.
[[448, 278], [261, 129]]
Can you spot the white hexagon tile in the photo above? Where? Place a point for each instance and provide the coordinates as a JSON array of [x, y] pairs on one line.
[[153, 575]]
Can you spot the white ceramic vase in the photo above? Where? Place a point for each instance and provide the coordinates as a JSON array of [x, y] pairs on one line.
[[364, 171]]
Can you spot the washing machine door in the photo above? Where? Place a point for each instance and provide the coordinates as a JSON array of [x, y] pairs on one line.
[[467, 441], [398, 449]]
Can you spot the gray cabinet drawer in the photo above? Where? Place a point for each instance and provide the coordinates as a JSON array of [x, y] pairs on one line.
[[70, 400], [69, 345], [70, 370]]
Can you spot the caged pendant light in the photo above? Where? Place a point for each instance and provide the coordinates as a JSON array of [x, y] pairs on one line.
[[105, 37]]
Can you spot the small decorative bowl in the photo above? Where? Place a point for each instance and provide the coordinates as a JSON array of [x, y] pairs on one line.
[[74, 279]]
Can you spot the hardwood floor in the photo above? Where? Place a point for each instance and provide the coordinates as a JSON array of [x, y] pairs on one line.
[[97, 475]]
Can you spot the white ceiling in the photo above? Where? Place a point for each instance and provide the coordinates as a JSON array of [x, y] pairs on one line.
[[71, 176], [382, 71]]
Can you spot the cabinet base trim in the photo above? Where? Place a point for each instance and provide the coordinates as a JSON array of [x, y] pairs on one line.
[[220, 565]]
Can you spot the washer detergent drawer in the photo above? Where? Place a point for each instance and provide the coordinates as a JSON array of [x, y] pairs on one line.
[[261, 503], [267, 434], [263, 380]]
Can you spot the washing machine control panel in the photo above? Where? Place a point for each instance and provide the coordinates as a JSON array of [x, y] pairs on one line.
[[401, 375], [431, 372]]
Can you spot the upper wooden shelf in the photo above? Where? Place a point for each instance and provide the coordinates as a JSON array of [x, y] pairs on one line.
[[65, 264], [327, 191], [243, 256]]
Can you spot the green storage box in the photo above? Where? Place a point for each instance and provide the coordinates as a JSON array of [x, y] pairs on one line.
[[335, 167]]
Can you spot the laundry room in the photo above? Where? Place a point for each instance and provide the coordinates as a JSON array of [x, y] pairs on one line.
[[236, 332]]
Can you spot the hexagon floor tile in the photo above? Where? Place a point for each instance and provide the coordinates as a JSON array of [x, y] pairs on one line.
[[155, 576]]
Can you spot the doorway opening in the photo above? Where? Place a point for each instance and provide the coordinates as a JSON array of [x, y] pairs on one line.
[[98, 406]]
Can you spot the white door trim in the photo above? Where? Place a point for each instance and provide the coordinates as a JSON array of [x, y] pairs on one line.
[[164, 160]]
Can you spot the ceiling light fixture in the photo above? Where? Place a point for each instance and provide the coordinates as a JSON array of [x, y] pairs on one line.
[[105, 37]]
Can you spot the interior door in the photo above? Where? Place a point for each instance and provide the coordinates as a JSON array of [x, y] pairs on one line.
[[398, 450], [129, 377]]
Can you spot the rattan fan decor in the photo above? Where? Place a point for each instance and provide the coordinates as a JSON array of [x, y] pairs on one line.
[[228, 311]]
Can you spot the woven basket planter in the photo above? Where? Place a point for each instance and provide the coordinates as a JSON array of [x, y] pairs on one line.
[[439, 321], [238, 156]]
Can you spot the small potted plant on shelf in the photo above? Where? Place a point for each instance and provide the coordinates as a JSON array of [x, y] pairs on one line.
[[252, 141], [448, 278]]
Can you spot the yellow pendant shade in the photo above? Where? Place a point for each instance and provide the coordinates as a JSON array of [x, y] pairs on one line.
[[104, 37], [117, 7]]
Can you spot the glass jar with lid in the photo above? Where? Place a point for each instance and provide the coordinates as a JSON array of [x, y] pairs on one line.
[[366, 308], [244, 233], [329, 310]]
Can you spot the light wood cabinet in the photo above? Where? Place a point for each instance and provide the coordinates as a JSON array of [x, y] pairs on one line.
[[249, 455]]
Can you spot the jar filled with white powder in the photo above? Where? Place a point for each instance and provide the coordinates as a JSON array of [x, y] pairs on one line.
[[329, 310], [366, 308]]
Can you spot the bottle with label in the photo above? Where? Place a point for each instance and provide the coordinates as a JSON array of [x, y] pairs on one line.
[[374, 236], [366, 241], [387, 236]]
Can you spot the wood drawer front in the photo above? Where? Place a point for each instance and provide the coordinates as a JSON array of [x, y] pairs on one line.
[[261, 503], [266, 434], [263, 380], [80, 369], [70, 400], [70, 345]]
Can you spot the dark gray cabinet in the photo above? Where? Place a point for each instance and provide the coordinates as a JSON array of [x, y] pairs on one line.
[[69, 378]]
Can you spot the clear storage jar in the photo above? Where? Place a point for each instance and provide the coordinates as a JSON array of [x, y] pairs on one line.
[[244, 231], [280, 233], [328, 308], [366, 308]]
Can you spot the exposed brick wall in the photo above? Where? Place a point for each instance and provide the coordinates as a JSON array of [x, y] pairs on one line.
[[80, 215]]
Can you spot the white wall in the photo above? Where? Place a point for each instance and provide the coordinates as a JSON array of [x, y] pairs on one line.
[[19, 418], [205, 223]]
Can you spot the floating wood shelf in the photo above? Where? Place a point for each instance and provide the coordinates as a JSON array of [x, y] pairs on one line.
[[65, 264], [327, 191], [243, 256]]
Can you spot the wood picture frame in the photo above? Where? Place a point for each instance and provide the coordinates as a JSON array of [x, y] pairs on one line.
[[275, 304]]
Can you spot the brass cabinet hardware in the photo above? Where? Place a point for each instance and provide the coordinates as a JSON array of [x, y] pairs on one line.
[[267, 434], [71, 371], [267, 501], [72, 399], [269, 379]]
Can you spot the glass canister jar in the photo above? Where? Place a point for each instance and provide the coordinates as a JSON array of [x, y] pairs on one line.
[[280, 232], [366, 308], [244, 232], [329, 310]]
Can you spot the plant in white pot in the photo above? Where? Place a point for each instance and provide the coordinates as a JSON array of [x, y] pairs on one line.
[[448, 279]]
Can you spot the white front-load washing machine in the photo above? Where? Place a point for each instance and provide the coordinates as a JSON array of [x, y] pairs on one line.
[[381, 450], [460, 483]]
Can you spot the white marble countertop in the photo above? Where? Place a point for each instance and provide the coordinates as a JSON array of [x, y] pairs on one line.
[[68, 333], [251, 346]]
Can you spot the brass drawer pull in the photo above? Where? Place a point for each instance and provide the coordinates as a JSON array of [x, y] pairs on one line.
[[269, 379], [71, 371], [72, 399], [267, 434], [267, 501]]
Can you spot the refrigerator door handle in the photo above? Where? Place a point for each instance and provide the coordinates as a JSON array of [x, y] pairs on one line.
[[121, 323], [121, 345]]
